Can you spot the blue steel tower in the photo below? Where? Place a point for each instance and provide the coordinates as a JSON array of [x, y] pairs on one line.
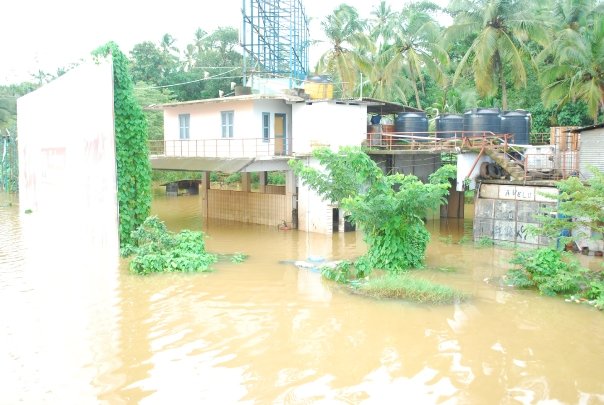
[[275, 40]]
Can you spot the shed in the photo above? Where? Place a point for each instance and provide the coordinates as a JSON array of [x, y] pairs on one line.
[[591, 152]]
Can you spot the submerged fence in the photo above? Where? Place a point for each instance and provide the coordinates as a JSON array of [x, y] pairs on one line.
[[9, 165]]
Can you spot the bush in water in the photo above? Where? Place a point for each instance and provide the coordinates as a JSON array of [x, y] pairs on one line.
[[157, 250]]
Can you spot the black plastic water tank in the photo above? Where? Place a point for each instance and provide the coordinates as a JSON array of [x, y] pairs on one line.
[[517, 123], [449, 125], [411, 122], [479, 120]]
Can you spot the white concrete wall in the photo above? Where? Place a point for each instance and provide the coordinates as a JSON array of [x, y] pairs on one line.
[[67, 145], [314, 213], [328, 124], [464, 164]]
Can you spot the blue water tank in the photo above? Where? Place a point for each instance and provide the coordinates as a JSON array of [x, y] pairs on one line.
[[477, 121], [449, 125], [518, 124]]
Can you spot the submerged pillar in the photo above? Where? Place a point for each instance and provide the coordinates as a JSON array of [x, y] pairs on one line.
[[262, 182], [291, 198], [203, 191], [245, 182]]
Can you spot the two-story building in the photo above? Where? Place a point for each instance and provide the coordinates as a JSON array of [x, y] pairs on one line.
[[261, 133]]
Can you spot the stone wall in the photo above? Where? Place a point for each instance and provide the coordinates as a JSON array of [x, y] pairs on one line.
[[506, 212]]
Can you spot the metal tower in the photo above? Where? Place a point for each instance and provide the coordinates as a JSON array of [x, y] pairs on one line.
[[275, 40]]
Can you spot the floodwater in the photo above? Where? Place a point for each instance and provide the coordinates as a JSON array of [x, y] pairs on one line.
[[76, 328]]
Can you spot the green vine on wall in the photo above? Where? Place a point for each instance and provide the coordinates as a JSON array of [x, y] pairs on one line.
[[131, 147]]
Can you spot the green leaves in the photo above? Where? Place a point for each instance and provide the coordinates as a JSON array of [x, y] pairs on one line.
[[389, 208], [156, 250], [132, 153], [550, 270]]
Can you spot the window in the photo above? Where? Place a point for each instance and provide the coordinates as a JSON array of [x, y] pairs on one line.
[[266, 126], [227, 123], [183, 120]]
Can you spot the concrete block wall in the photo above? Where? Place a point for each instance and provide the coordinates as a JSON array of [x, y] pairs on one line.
[[505, 212], [255, 208]]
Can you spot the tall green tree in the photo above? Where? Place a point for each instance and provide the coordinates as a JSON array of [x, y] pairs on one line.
[[382, 79], [345, 33], [147, 95], [416, 47], [500, 30], [572, 65], [148, 63]]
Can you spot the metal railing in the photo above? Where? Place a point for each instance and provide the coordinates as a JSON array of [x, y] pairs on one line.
[[555, 166], [436, 141], [216, 148]]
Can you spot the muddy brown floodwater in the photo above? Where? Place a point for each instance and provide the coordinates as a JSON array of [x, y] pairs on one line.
[[76, 328]]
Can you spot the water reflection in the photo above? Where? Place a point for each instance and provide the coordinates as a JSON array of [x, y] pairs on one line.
[[267, 332], [60, 305]]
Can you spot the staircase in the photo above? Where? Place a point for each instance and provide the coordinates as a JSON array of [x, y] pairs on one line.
[[514, 168]]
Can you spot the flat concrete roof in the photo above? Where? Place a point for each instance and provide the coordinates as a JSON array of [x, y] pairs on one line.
[[246, 97], [374, 106]]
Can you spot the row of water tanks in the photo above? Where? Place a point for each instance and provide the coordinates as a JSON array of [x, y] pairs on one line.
[[475, 121]]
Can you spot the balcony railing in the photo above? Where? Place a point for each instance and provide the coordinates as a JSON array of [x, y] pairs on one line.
[[217, 148], [436, 141]]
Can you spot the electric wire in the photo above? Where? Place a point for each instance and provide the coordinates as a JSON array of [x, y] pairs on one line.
[[217, 76]]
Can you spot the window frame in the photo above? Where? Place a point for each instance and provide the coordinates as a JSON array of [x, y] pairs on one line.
[[266, 127], [227, 120], [184, 131]]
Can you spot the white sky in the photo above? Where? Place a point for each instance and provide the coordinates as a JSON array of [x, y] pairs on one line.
[[46, 35]]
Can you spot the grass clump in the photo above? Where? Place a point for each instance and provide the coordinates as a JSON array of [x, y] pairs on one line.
[[405, 287], [238, 257], [156, 250], [484, 242]]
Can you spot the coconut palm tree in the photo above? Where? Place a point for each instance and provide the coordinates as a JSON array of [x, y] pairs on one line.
[[382, 23], [200, 41], [344, 30], [190, 57], [415, 46], [575, 68], [499, 30]]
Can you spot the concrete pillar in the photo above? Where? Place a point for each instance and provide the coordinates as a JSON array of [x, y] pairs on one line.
[[245, 182], [262, 178], [290, 190], [203, 191], [290, 182]]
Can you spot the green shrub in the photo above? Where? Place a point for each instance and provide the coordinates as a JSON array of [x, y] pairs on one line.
[[389, 209], [233, 178], [157, 250], [551, 271], [276, 178]]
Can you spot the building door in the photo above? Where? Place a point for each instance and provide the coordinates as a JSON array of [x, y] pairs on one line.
[[280, 135]]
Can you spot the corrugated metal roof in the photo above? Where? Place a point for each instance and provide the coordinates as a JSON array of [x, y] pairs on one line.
[[382, 107], [590, 127]]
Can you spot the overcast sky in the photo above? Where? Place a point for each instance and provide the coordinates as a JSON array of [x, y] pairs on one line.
[[46, 35]]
